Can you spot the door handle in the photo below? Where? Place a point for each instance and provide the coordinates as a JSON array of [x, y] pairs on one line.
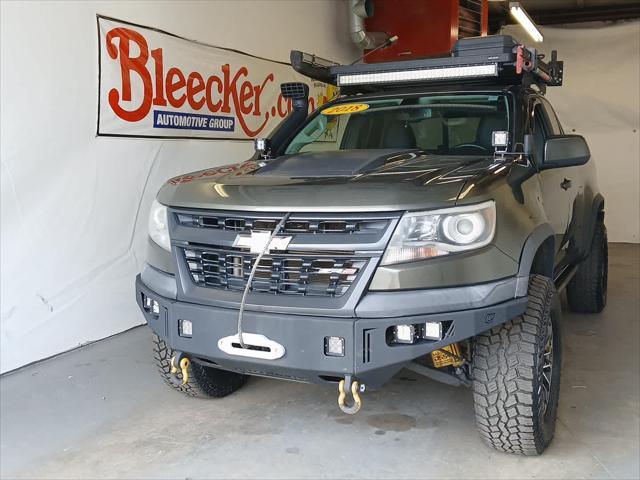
[[566, 184]]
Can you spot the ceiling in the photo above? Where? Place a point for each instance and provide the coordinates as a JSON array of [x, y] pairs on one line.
[[553, 12]]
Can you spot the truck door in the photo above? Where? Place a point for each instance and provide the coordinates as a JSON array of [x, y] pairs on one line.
[[558, 185]]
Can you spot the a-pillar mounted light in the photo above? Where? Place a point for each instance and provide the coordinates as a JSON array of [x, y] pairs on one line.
[[523, 18]]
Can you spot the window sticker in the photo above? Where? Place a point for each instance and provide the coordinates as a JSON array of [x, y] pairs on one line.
[[345, 108]]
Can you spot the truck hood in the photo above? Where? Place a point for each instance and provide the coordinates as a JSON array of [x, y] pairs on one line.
[[342, 181]]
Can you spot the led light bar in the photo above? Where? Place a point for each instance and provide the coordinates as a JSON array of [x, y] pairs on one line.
[[441, 73]]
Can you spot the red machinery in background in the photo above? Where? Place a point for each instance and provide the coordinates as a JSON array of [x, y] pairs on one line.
[[425, 27]]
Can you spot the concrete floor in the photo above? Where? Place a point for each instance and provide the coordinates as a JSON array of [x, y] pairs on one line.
[[103, 412]]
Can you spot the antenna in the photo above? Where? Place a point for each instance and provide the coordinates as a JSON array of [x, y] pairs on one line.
[[387, 43]]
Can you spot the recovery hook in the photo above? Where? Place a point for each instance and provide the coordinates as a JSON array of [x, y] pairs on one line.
[[344, 386], [183, 362]]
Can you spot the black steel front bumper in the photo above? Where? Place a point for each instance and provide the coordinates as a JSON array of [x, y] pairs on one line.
[[367, 357]]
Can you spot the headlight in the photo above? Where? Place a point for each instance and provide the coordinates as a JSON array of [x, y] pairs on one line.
[[158, 225], [421, 235]]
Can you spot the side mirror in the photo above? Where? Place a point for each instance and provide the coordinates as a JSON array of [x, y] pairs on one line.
[[565, 151]]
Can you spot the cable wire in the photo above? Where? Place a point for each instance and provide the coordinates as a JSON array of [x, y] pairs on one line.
[[253, 273]]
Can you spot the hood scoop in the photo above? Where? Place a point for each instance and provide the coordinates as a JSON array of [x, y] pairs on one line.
[[333, 164]]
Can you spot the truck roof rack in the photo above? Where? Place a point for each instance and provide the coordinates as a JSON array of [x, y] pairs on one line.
[[313, 66], [496, 60]]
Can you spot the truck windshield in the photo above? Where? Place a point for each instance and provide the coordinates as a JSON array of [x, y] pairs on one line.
[[460, 124]]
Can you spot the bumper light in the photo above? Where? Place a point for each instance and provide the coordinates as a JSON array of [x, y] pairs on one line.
[[432, 331], [334, 346], [409, 334], [404, 333], [185, 328], [150, 305]]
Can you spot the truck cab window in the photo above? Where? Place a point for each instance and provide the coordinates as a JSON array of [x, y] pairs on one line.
[[453, 124]]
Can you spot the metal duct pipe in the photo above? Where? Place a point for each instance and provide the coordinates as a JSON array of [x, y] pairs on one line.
[[358, 11]]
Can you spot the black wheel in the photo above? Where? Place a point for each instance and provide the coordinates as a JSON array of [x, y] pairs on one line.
[[587, 290], [516, 375], [203, 381]]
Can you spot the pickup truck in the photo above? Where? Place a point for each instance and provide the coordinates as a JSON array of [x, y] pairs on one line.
[[427, 218]]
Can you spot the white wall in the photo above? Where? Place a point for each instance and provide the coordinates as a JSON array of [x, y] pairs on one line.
[[73, 206], [600, 99]]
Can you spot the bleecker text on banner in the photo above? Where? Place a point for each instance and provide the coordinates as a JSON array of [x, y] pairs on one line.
[[155, 84]]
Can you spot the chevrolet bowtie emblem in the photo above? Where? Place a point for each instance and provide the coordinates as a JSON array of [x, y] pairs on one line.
[[257, 241]]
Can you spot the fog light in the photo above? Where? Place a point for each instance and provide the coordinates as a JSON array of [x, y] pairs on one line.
[[404, 333], [150, 305], [185, 328], [334, 346], [432, 331]]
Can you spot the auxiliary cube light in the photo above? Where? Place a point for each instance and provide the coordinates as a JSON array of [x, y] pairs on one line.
[[404, 333], [185, 328], [440, 73], [499, 138], [432, 331], [334, 346], [150, 305], [409, 334]]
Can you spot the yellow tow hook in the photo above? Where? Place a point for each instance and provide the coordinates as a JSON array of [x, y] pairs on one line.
[[184, 368], [355, 393]]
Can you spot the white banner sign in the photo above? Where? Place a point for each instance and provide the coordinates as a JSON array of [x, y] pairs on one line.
[[155, 84]]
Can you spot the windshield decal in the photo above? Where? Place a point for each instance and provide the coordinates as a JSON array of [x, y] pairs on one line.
[[345, 108]]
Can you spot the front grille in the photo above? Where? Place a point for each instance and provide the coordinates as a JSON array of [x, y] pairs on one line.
[[289, 274], [243, 223]]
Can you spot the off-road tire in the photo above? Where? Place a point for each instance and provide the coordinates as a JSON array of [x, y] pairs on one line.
[[587, 290], [513, 414], [203, 381]]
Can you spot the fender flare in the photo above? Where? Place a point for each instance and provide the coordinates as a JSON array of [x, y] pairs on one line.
[[597, 206], [531, 245]]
